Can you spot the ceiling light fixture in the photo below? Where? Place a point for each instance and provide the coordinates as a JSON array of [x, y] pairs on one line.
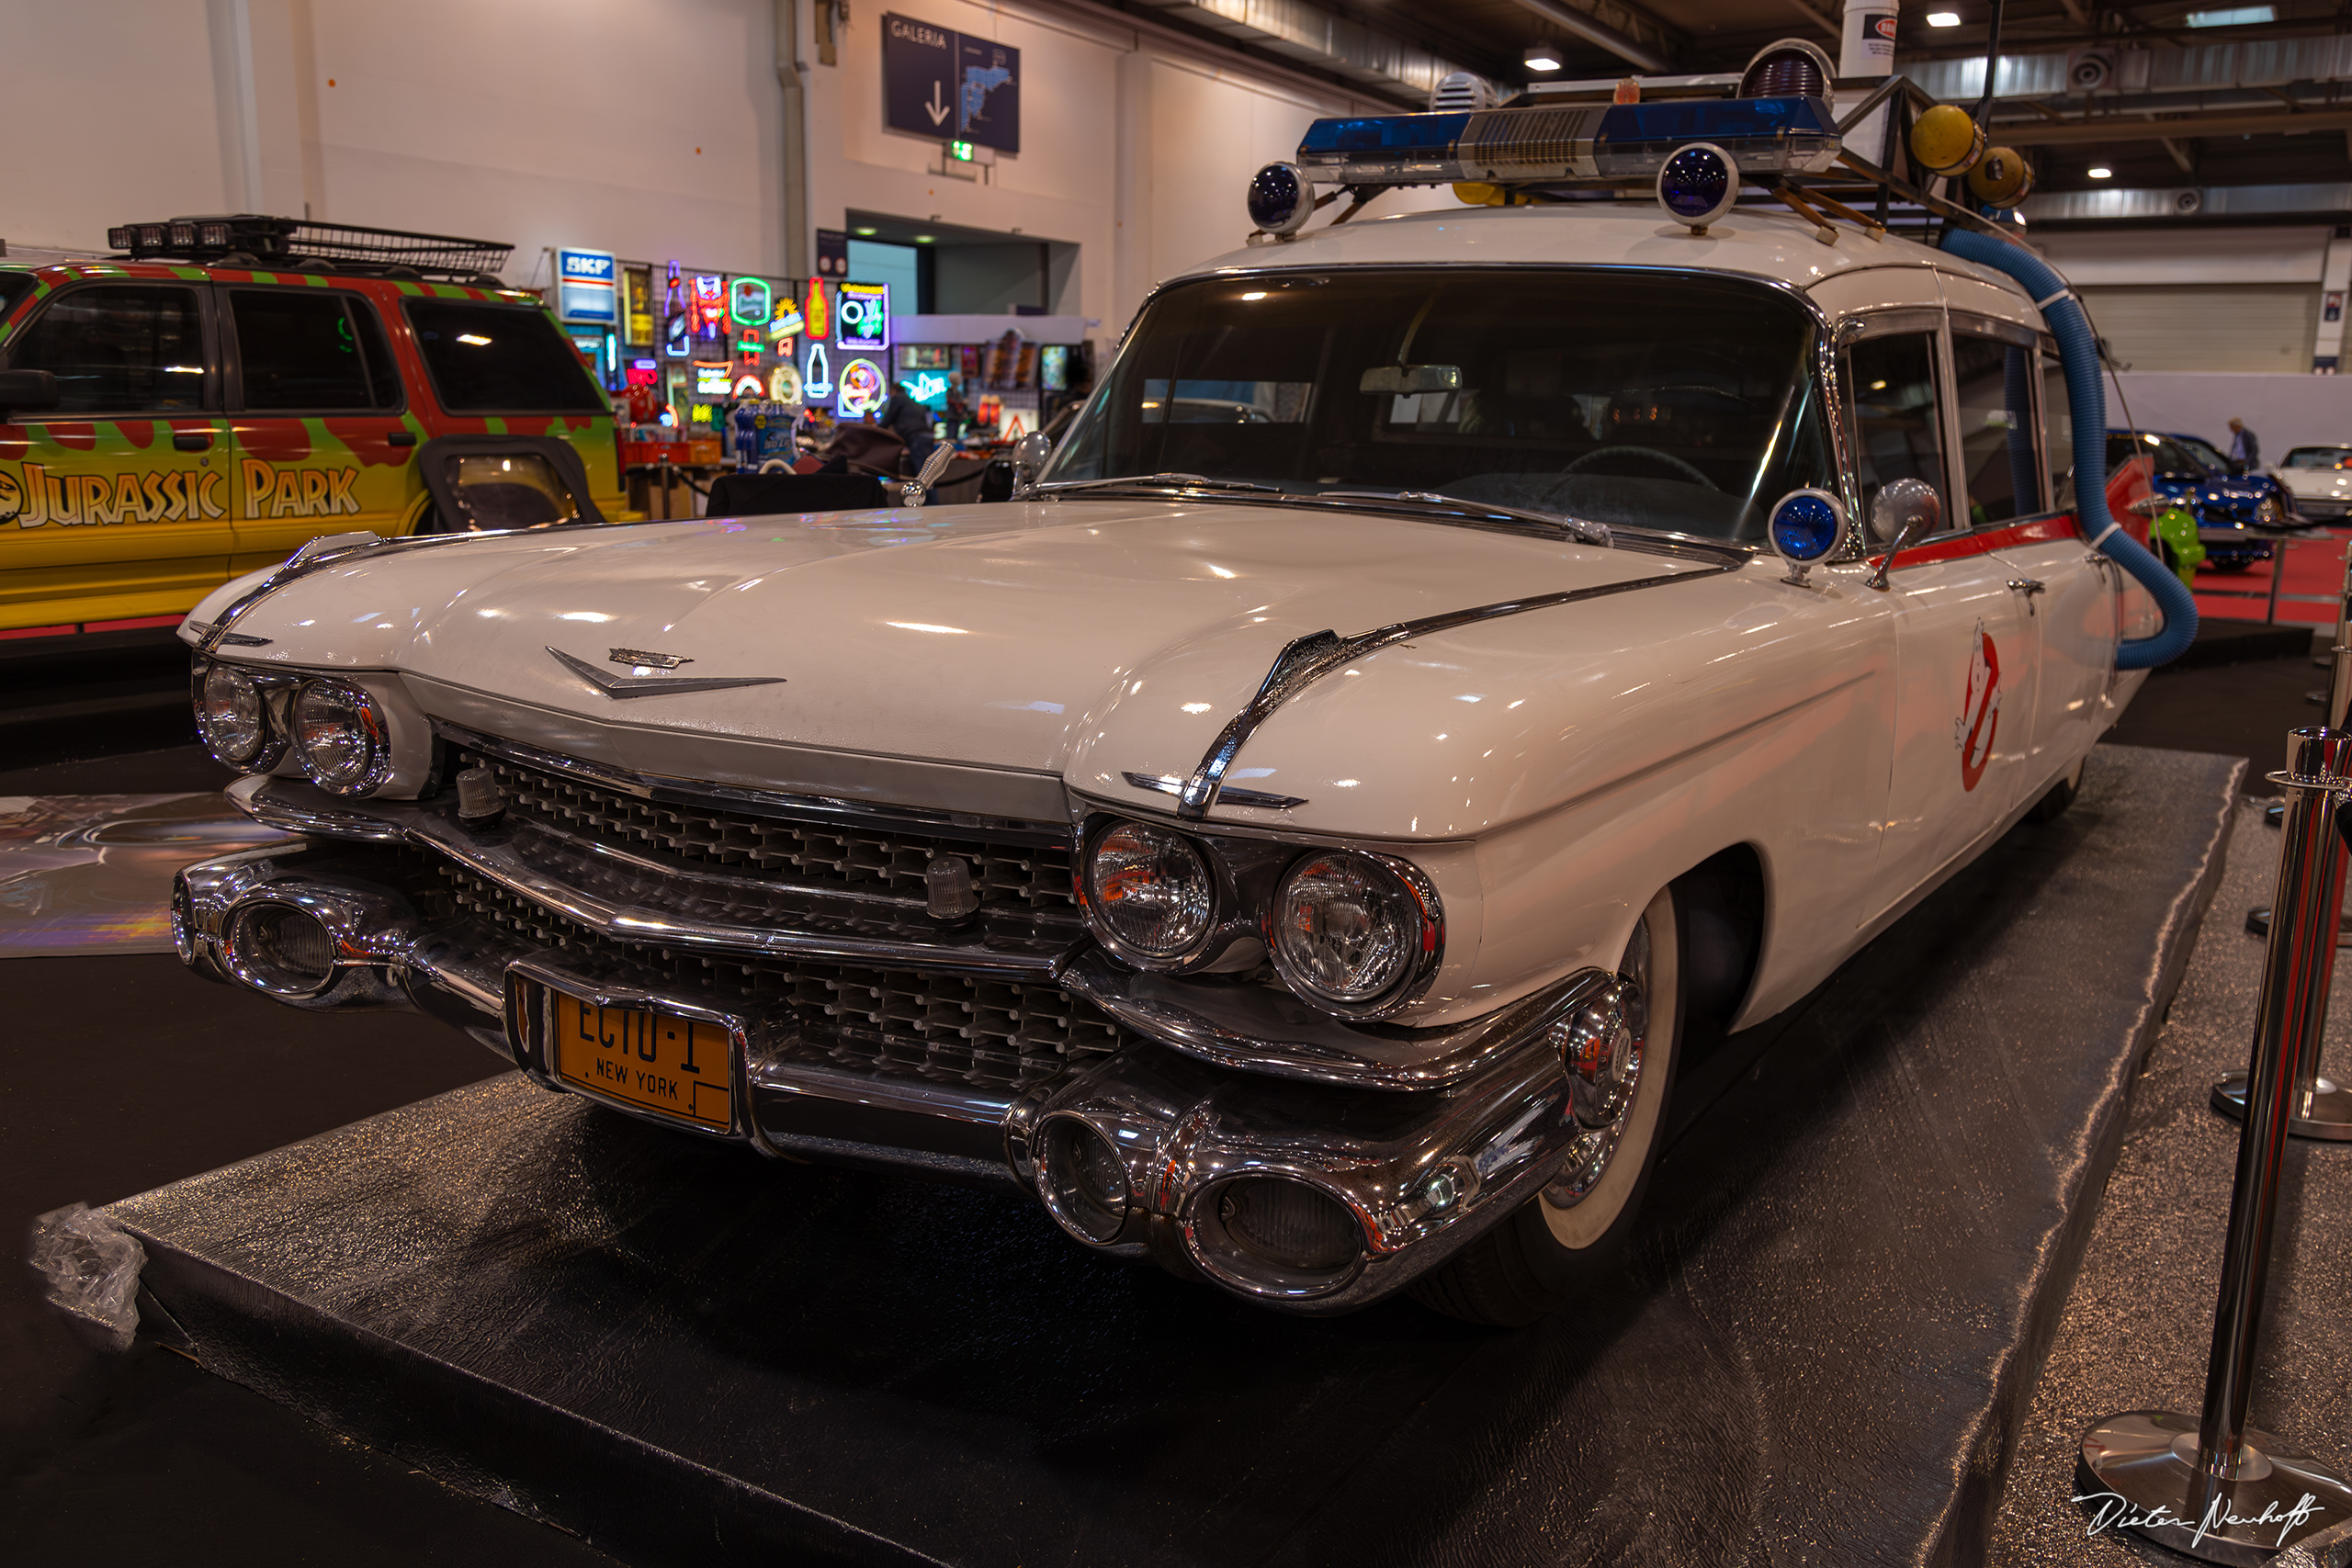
[[1543, 57], [1943, 19], [2101, 171]]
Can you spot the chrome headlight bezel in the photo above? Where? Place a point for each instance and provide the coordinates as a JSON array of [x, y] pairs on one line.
[[372, 730], [1420, 952], [1213, 923], [268, 688]]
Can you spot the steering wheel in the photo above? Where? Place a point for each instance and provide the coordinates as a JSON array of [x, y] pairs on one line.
[[1668, 459]]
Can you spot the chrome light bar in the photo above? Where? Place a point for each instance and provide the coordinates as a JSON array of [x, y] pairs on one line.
[[1510, 146]]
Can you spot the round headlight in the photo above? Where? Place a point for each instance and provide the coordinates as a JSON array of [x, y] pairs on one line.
[[341, 737], [1150, 889], [234, 719], [1346, 926]]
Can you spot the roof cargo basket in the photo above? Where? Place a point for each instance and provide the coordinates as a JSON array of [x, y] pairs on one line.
[[297, 244]]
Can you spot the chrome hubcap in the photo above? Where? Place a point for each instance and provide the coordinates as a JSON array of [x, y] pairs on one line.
[[1601, 1046]]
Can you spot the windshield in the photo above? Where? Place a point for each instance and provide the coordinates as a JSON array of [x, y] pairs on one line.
[[2205, 456], [1673, 401], [2319, 456]]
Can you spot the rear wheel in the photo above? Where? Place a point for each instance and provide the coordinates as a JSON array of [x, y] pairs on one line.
[[2052, 805], [1575, 1230]]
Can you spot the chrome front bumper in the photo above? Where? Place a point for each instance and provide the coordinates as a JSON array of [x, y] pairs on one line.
[[1451, 1132]]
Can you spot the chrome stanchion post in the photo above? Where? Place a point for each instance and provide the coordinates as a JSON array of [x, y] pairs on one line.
[[2322, 1109], [2212, 1486]]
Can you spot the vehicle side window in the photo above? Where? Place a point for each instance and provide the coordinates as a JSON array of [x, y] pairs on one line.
[[486, 358], [1898, 428], [1993, 387], [2058, 433], [302, 349], [2172, 457], [118, 348]]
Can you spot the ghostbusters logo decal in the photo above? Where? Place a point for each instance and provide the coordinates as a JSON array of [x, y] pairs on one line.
[[1980, 709]]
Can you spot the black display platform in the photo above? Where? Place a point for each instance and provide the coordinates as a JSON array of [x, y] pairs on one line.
[[1852, 1259]]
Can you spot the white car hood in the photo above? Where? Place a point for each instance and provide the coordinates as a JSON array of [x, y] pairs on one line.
[[1082, 640]]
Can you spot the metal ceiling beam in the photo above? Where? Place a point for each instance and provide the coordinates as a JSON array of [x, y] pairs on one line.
[[2115, 128], [1313, 35], [2253, 63], [1576, 24]]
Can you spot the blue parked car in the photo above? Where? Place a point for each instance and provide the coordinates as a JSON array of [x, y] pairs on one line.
[[2228, 506]]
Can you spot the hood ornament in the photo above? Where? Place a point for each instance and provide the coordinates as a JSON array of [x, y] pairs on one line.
[[639, 658], [635, 685]]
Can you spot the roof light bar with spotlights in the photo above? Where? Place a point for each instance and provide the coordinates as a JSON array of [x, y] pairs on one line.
[[1619, 142]]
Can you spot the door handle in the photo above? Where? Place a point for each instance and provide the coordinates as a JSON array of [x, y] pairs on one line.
[[401, 438], [2029, 587], [192, 440]]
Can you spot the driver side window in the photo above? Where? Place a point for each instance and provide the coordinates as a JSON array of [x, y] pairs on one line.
[[1892, 386]]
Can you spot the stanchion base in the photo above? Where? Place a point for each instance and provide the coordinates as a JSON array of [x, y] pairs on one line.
[[2257, 920], [2138, 1469], [2325, 1112]]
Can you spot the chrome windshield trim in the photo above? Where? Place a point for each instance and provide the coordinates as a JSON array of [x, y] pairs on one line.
[[1307, 659]]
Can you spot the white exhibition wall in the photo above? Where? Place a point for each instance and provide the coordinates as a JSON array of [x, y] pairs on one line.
[[2282, 410], [649, 127]]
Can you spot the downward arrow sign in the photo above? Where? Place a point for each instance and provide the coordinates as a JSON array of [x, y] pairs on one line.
[[937, 108]]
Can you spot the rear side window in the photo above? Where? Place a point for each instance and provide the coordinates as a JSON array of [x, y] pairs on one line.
[[499, 359], [311, 348], [118, 348]]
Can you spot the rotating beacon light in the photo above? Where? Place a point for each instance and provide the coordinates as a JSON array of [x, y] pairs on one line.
[[1806, 525], [1698, 185], [1281, 200]]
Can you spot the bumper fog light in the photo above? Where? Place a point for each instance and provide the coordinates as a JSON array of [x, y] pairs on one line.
[[279, 949], [1083, 1181], [1289, 1224]]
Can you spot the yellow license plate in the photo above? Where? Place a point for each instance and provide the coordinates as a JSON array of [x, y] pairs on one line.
[[648, 1060]]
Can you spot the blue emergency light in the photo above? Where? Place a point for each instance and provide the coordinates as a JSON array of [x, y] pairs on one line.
[[1607, 142]]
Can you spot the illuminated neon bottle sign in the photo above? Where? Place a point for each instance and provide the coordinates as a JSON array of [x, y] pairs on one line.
[[819, 317]]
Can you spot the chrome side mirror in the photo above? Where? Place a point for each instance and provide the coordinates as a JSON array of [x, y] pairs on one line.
[[1029, 460], [917, 488], [1904, 512]]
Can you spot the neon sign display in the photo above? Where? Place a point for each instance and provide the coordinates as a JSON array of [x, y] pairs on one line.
[[864, 311], [818, 383], [863, 389], [749, 302], [821, 319], [784, 383], [711, 306]]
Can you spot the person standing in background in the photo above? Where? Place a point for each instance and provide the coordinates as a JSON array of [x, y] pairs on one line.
[[2244, 451]]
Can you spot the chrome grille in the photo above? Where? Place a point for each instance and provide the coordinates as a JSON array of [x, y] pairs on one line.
[[821, 854], [949, 1028]]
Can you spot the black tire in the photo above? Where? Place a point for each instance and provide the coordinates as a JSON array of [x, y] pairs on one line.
[[1545, 1255], [2061, 795]]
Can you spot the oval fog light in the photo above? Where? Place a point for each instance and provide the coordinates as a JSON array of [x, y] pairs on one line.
[[1276, 1235], [1083, 1180], [279, 949]]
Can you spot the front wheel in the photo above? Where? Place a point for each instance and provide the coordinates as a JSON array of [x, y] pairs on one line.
[[1575, 1230]]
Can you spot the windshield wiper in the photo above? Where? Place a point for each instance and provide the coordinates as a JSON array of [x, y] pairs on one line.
[[1585, 530], [1155, 481]]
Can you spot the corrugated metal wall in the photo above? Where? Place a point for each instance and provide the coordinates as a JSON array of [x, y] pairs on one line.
[[2207, 326]]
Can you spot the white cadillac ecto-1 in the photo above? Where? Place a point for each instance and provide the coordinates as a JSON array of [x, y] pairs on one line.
[[1456, 667]]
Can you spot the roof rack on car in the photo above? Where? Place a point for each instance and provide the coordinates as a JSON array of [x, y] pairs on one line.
[[301, 244]]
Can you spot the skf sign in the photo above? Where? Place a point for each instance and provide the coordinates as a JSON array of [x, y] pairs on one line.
[[583, 287]]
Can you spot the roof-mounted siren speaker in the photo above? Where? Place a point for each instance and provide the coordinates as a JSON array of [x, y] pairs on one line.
[[2089, 70], [1789, 68], [1461, 92], [1698, 185]]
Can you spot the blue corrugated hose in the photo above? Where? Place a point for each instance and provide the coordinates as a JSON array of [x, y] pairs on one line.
[[2078, 354]]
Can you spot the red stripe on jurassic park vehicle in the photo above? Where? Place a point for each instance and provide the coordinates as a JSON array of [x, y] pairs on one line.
[[78, 436], [139, 433], [37, 631], [273, 439], [137, 623]]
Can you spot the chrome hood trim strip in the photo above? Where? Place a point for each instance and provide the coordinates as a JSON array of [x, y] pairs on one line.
[[1308, 658]]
